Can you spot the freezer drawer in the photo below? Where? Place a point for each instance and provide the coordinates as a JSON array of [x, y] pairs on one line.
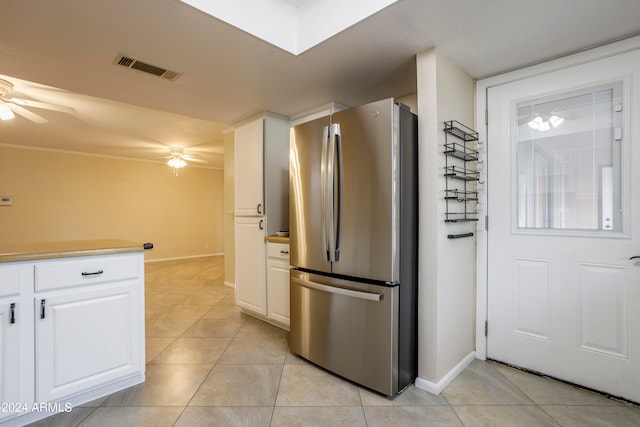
[[349, 328]]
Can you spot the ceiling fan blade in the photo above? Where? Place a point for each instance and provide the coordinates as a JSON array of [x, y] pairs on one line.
[[27, 114], [44, 105]]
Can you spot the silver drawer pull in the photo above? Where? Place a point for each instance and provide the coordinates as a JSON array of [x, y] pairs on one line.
[[94, 273]]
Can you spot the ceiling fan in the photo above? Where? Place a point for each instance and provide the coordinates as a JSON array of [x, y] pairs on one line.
[[9, 107], [178, 158]]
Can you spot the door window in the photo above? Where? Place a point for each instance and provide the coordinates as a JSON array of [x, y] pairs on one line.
[[568, 161]]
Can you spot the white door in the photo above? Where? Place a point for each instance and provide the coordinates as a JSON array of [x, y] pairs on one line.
[[563, 222]]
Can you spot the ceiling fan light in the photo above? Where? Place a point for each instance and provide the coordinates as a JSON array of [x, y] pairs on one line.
[[176, 163], [535, 123], [544, 126], [555, 121], [6, 113]]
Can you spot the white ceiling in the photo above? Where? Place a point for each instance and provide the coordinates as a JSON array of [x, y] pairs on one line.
[[62, 51]]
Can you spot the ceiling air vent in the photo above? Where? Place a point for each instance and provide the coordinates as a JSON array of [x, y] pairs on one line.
[[131, 62]]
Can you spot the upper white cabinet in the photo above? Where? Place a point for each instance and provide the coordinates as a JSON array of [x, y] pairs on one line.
[[249, 182], [261, 171]]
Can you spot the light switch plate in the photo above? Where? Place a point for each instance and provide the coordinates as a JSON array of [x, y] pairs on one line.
[[6, 201]]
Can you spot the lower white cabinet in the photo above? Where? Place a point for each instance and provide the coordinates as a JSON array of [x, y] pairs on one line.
[[250, 264], [72, 332], [86, 338], [278, 282], [262, 273], [16, 342]]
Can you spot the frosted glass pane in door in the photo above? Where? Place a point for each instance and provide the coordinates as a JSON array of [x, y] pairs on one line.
[[568, 160]]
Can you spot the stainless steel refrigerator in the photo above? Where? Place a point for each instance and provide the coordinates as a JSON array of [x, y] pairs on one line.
[[353, 244]]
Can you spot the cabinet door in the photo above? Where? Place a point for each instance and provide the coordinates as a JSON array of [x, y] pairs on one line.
[[87, 337], [12, 359], [16, 342], [278, 290], [248, 169], [251, 264]]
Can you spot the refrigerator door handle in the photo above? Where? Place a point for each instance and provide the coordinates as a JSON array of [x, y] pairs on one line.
[[331, 187], [340, 291], [337, 188], [324, 191]]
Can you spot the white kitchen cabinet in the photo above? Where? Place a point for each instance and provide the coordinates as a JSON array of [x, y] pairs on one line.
[[16, 373], [86, 337], [261, 171], [261, 191], [78, 332], [250, 264], [278, 282], [248, 179], [89, 328]]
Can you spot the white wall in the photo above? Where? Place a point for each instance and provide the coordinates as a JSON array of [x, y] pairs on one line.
[[446, 321]]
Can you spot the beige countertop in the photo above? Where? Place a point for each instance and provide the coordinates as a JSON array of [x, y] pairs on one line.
[[11, 252], [277, 239]]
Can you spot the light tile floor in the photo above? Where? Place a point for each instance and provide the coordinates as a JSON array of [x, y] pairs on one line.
[[210, 365]]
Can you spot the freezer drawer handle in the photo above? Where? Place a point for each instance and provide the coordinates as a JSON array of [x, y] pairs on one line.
[[341, 291]]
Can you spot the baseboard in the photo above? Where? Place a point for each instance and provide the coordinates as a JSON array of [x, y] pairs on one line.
[[436, 388], [183, 257]]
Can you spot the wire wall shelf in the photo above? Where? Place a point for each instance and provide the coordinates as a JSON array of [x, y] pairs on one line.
[[461, 172]]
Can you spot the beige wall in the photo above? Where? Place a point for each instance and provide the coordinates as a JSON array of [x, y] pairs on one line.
[[446, 313], [64, 196]]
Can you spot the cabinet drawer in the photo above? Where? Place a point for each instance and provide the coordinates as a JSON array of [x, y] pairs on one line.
[[85, 271], [278, 250], [10, 281]]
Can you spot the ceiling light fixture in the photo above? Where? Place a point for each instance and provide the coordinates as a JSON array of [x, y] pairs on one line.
[[5, 112], [176, 163], [538, 123]]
